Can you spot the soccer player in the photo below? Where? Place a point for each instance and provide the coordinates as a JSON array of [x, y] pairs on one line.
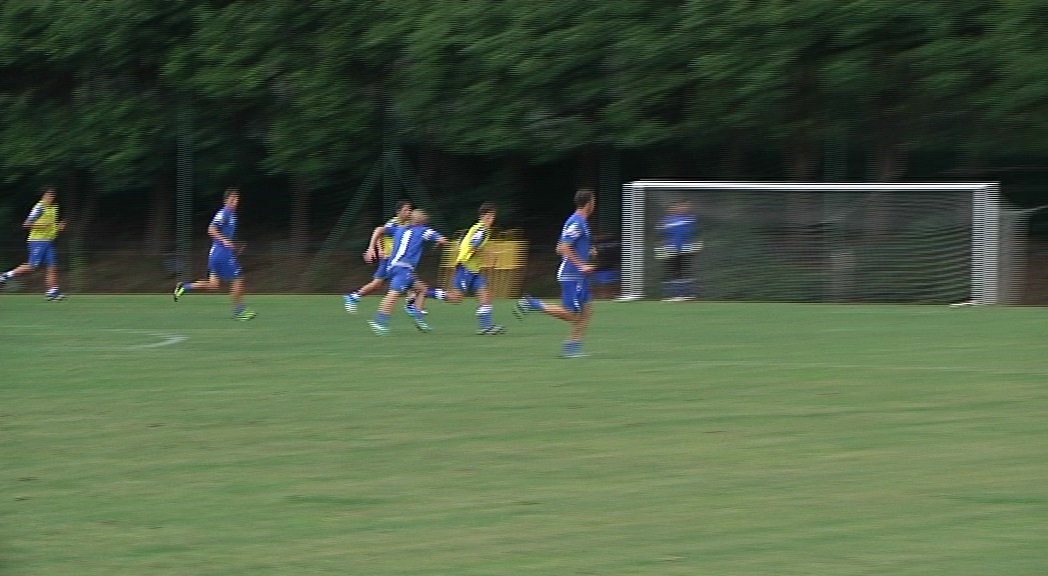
[[678, 229], [468, 277], [575, 249], [222, 261], [380, 248], [408, 242], [43, 225]]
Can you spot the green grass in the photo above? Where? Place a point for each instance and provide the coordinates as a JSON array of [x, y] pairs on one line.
[[712, 439]]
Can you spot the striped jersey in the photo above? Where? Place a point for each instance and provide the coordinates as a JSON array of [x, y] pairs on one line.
[[575, 233], [391, 227], [226, 222], [408, 242]]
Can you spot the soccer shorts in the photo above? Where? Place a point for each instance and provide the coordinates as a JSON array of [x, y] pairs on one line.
[[224, 264], [42, 253], [574, 294], [382, 272], [401, 278], [468, 281]]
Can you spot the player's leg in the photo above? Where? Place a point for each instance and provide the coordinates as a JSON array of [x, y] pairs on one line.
[[352, 299], [49, 261], [581, 305], [16, 271], [529, 303], [53, 292], [485, 313], [236, 292], [36, 259]]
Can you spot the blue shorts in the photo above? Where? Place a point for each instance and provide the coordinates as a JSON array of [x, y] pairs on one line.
[[574, 294], [42, 253], [401, 278], [468, 281], [382, 272], [223, 263]]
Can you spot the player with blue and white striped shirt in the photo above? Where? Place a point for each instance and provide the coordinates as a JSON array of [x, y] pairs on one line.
[[408, 243], [575, 247], [222, 263]]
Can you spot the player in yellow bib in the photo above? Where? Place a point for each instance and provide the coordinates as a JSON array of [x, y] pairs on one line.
[[44, 225], [469, 278]]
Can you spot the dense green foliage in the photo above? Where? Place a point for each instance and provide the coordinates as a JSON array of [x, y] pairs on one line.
[[511, 98]]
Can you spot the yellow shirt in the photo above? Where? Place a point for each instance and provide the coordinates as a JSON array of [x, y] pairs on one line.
[[45, 219], [470, 247]]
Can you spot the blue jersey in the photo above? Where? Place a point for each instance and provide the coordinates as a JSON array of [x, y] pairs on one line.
[[408, 242], [226, 222], [678, 232], [576, 233]]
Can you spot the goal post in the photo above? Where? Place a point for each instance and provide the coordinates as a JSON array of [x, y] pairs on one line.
[[832, 242]]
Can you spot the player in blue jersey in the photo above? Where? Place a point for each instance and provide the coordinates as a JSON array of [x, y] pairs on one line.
[[222, 261], [379, 249], [44, 225], [408, 242], [678, 231], [575, 247], [470, 259]]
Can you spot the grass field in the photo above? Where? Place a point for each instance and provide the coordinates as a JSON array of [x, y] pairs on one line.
[[140, 436]]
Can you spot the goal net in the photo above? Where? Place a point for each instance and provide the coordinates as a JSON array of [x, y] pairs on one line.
[[934, 243]]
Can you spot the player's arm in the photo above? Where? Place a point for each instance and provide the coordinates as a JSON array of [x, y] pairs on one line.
[[216, 234], [374, 246], [567, 250], [31, 220]]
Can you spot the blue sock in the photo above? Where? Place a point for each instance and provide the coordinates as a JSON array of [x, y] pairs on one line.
[[239, 308], [416, 314], [572, 346], [484, 316], [354, 296], [438, 293], [534, 303], [381, 318], [188, 286]]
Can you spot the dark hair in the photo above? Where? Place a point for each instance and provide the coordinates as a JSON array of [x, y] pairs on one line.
[[583, 196], [486, 208], [401, 204], [230, 191]]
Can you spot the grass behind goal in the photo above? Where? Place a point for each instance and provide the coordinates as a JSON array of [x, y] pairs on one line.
[[141, 436]]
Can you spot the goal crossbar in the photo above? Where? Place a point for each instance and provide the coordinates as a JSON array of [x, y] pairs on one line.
[[986, 215]]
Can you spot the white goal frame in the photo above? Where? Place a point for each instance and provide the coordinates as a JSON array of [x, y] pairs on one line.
[[986, 224]]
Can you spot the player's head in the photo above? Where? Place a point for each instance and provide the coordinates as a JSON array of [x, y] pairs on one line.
[[48, 196], [404, 209], [487, 212], [585, 200], [419, 216], [231, 197]]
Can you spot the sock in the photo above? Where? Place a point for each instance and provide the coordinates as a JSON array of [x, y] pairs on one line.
[[416, 314], [52, 290], [354, 296], [381, 318], [484, 316], [187, 286], [438, 293], [572, 346], [534, 303], [8, 275], [239, 308]]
